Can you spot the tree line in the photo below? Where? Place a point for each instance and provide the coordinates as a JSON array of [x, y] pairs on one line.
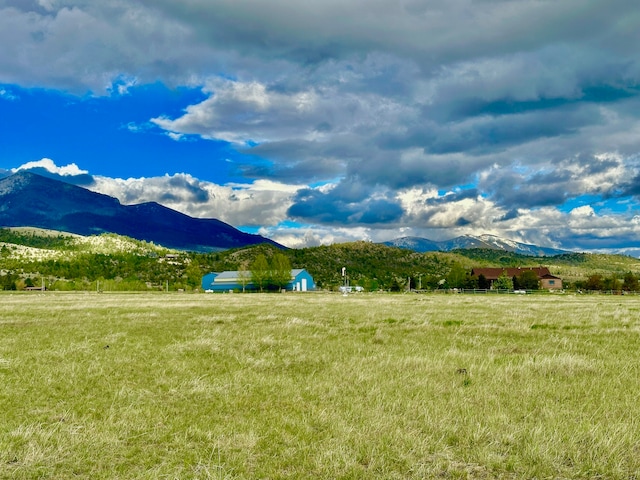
[[598, 282], [372, 266], [273, 274]]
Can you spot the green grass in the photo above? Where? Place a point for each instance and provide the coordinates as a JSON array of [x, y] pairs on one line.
[[182, 386]]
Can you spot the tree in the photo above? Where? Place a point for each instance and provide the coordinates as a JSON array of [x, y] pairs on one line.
[[457, 276], [528, 280], [483, 283], [244, 275], [503, 282], [280, 270], [594, 282], [611, 283], [470, 282], [8, 281], [395, 285], [193, 273], [630, 282], [260, 272]]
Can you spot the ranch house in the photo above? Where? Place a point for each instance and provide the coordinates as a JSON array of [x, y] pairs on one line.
[[301, 281], [547, 281]]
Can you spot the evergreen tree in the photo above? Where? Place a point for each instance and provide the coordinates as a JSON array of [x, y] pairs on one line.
[[483, 283]]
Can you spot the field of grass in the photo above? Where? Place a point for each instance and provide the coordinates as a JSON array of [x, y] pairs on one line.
[[182, 386]]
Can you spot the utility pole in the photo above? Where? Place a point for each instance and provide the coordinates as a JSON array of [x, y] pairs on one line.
[[346, 280]]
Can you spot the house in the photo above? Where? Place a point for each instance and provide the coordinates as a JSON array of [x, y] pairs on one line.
[[547, 281], [551, 282], [301, 281]]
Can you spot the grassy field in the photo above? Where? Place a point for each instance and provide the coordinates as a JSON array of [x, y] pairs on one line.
[[181, 386]]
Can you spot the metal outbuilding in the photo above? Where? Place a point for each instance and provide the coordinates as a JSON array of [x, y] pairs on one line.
[[301, 281]]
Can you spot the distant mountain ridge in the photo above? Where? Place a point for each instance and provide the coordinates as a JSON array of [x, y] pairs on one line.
[[492, 242], [31, 200]]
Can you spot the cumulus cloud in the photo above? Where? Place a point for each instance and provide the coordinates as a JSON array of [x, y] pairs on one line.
[[363, 214], [47, 164], [440, 117], [46, 167], [253, 112], [262, 203]]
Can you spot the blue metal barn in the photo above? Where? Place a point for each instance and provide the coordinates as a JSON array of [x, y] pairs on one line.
[[301, 281]]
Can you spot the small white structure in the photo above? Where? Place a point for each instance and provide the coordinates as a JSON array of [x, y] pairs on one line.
[[350, 289]]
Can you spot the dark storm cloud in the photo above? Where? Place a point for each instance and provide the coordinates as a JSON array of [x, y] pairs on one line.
[[312, 33], [555, 183], [446, 109], [196, 193], [517, 191], [537, 91], [632, 187], [479, 136], [344, 207], [453, 197], [510, 215], [296, 161], [594, 241]]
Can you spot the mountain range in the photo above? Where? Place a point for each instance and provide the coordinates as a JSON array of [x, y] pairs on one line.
[[31, 200], [492, 242]]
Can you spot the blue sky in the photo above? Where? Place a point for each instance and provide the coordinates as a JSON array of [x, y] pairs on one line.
[[322, 122]]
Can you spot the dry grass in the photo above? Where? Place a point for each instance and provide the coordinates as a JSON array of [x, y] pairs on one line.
[[318, 386]]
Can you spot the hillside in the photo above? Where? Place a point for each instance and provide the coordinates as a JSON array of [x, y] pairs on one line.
[[30, 200], [77, 261], [56, 241]]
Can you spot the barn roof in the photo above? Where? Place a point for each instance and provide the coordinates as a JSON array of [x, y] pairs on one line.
[[233, 275]]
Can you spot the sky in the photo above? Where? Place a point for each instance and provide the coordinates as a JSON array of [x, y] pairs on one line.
[[328, 121]]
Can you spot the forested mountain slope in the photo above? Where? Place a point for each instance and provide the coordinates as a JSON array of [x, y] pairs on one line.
[[84, 260]]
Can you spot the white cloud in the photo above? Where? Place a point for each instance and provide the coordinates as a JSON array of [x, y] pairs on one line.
[[313, 236], [242, 112], [262, 203], [49, 165], [175, 136], [7, 95], [585, 211]]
